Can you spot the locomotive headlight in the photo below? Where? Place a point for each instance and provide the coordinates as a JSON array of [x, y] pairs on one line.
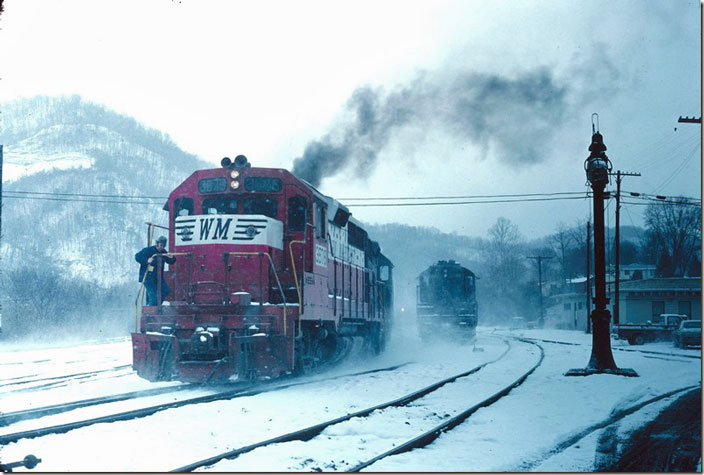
[[234, 184], [234, 174]]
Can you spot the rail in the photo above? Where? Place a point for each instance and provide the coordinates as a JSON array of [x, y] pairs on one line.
[[232, 391]]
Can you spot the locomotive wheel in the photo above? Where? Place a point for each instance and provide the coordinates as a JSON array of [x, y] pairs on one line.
[[316, 348]]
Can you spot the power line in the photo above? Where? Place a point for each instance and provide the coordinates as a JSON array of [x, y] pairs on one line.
[[53, 196], [638, 195], [661, 202], [89, 195], [463, 197], [400, 198], [79, 201], [464, 202], [49, 198]]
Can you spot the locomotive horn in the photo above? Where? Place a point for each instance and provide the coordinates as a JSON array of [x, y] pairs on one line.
[[241, 161], [225, 162]]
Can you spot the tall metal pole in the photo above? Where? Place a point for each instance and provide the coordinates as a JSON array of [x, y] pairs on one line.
[[589, 276], [541, 320], [617, 270], [0, 192], [597, 167], [1, 232], [602, 357]]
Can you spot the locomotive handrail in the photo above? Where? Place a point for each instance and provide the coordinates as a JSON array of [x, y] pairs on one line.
[[281, 290], [243, 253], [295, 274], [150, 230]]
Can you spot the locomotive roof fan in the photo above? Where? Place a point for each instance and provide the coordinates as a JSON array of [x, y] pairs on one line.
[[240, 162]]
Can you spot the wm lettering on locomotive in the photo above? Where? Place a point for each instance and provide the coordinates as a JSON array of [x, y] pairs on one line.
[[246, 229]]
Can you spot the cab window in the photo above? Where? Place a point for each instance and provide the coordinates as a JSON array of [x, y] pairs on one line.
[[183, 207], [220, 205], [297, 213], [266, 206]]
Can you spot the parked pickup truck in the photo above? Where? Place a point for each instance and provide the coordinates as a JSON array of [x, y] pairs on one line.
[[661, 328]]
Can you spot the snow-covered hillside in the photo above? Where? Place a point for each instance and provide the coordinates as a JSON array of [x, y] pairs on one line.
[[96, 164]]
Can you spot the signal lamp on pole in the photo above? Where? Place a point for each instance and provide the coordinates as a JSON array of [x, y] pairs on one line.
[[597, 167]]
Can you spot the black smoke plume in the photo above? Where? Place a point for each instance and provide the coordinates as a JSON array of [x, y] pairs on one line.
[[513, 117]]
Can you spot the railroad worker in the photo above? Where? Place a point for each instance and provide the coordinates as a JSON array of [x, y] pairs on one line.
[[146, 258]]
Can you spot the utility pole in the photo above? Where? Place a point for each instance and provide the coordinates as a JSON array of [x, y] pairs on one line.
[[597, 167], [589, 278], [617, 271], [1, 234], [541, 320], [0, 192]]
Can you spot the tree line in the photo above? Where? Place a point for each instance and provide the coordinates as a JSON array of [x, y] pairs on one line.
[[671, 242]]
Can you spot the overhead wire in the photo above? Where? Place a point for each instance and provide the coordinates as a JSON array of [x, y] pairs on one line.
[[476, 199], [679, 168], [462, 196]]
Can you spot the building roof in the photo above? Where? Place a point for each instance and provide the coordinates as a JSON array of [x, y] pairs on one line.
[[637, 267], [670, 283]]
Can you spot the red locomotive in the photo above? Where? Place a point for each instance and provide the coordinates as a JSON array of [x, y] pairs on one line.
[[271, 277]]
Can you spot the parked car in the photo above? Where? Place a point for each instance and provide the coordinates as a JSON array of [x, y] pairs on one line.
[[689, 333]]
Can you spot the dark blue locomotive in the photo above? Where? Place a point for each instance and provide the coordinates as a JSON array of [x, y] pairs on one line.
[[446, 301]]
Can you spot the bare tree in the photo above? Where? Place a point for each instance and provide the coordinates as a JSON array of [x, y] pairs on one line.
[[561, 243], [505, 265], [675, 228]]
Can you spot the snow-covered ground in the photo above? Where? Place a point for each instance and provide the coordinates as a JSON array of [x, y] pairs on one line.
[[547, 424]]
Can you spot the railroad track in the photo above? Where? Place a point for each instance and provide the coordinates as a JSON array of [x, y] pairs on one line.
[[35, 413], [235, 390], [55, 381], [632, 350], [613, 419], [309, 433]]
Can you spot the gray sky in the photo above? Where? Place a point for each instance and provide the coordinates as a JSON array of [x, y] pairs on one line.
[[416, 98]]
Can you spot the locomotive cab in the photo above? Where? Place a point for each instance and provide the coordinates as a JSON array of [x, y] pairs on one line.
[[446, 301]]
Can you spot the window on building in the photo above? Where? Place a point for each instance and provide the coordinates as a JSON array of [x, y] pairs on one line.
[[684, 307], [658, 307]]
